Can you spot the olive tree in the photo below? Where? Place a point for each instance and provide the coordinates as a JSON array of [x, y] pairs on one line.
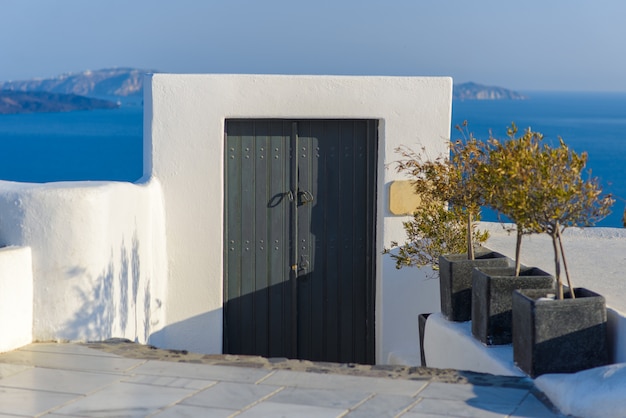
[[508, 176], [432, 231], [451, 197], [563, 197], [447, 180], [542, 189]]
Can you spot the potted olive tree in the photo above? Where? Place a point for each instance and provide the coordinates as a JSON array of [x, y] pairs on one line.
[[507, 175], [448, 180], [565, 332]]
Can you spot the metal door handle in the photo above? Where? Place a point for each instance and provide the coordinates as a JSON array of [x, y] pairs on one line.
[[305, 197]]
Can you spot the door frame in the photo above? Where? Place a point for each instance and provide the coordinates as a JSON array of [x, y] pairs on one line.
[[371, 134]]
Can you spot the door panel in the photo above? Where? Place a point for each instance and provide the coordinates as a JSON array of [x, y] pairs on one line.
[[307, 188], [257, 239]]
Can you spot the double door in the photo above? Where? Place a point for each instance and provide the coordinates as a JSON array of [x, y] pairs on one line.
[[299, 239]]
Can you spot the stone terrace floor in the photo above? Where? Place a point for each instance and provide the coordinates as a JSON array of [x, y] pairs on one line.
[[117, 378]]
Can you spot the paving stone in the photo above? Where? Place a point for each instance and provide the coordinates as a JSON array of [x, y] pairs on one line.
[[229, 395], [474, 394], [382, 406], [456, 408], [70, 360], [324, 381], [189, 411], [192, 371], [62, 381], [125, 399], [281, 410], [344, 399], [28, 402]]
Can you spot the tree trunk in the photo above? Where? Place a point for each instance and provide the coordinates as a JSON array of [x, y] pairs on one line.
[[470, 246], [557, 264], [569, 282], [518, 249]]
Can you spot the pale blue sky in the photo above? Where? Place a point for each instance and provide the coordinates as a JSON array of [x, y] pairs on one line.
[[524, 45]]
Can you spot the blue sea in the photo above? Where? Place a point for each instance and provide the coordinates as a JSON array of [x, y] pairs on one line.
[[107, 144], [591, 122], [81, 145]]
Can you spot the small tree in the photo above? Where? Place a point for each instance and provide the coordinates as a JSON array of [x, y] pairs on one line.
[[560, 197], [507, 177], [432, 231], [451, 179]]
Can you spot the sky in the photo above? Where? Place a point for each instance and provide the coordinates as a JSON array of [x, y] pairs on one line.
[[528, 45]]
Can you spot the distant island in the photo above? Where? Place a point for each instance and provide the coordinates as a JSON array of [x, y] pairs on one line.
[[86, 90], [13, 102], [99, 89], [109, 82], [475, 91]]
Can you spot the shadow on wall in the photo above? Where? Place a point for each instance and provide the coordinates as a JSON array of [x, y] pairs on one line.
[[193, 334], [112, 306]]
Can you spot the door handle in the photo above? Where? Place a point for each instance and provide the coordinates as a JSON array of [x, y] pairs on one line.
[[305, 197]]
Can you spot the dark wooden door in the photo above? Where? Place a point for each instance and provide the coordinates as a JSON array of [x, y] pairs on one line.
[[299, 274]]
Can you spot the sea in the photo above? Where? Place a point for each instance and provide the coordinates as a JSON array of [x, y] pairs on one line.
[[588, 122], [108, 144], [69, 146]]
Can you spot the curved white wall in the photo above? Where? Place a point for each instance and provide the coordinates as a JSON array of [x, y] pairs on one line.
[[96, 248], [184, 131]]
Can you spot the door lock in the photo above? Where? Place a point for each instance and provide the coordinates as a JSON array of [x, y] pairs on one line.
[[304, 262]]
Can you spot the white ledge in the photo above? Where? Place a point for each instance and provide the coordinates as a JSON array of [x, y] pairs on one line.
[[450, 345]]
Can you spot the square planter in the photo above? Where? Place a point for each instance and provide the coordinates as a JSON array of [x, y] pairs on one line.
[[455, 281], [559, 336], [492, 291]]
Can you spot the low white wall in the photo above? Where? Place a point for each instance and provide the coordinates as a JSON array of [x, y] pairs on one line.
[[184, 131], [408, 292], [451, 345], [16, 298], [97, 251]]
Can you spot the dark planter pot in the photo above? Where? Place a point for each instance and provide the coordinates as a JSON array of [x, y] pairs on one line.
[[455, 281], [492, 291], [559, 336]]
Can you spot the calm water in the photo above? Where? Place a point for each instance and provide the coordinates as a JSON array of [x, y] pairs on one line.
[[592, 122], [107, 144], [83, 145]]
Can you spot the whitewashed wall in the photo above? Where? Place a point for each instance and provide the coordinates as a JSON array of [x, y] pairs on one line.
[[96, 256], [184, 131], [16, 297]]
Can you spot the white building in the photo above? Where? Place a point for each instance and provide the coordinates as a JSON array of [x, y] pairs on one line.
[[146, 261]]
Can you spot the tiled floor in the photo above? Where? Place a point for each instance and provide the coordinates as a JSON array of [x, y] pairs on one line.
[[64, 380]]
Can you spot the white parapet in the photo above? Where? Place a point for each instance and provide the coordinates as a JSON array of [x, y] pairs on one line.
[[16, 297], [98, 259], [450, 345]]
